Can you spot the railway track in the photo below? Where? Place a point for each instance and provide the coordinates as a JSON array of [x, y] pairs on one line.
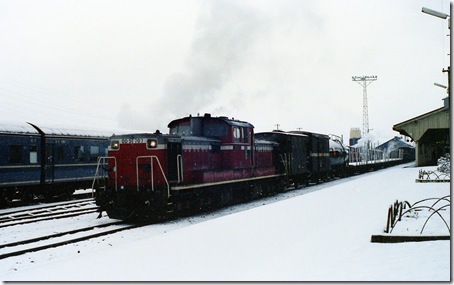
[[62, 238], [45, 241], [37, 200], [47, 212]]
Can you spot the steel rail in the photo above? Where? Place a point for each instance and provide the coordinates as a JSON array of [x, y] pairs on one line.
[[51, 216], [65, 242], [32, 240], [60, 204]]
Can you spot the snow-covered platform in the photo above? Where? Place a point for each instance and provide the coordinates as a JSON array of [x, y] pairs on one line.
[[319, 233]]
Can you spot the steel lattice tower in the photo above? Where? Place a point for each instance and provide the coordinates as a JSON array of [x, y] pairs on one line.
[[364, 81]]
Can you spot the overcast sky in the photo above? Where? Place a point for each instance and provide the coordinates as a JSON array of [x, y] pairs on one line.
[[140, 64]]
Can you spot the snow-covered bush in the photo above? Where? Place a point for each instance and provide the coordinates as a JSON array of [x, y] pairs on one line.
[[444, 164]]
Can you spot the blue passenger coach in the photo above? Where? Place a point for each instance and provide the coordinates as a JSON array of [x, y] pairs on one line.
[[47, 162]]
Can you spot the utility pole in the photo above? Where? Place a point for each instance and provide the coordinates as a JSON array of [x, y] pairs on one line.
[[444, 16], [364, 81]]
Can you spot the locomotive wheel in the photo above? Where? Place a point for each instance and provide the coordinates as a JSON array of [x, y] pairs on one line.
[[256, 192], [27, 196], [5, 200], [183, 206], [225, 197]]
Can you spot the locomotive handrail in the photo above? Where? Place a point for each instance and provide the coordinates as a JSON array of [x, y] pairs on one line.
[[151, 157], [180, 167], [102, 158]]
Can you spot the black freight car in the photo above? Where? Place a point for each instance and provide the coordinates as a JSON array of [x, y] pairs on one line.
[[290, 155], [302, 155], [319, 164]]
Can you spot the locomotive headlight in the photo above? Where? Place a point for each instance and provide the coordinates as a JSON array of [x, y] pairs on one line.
[[152, 143], [115, 145]]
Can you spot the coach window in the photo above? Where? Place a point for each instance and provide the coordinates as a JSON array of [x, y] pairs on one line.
[[60, 153], [94, 153], [15, 154], [79, 153], [33, 154]]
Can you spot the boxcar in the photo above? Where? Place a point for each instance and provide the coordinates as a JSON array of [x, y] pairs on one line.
[[318, 155], [290, 155]]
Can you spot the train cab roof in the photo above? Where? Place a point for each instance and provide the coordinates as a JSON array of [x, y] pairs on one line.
[[204, 126]]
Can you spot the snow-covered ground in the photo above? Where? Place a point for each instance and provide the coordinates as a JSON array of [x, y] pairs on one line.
[[319, 233]]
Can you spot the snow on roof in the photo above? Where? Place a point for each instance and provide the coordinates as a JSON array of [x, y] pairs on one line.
[[26, 128], [75, 132], [396, 142], [16, 127]]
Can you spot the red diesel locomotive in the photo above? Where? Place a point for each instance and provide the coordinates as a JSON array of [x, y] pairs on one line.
[[203, 162]]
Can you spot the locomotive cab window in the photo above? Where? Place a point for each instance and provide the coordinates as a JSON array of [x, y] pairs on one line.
[[245, 135], [215, 130], [181, 129], [240, 134], [236, 134]]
